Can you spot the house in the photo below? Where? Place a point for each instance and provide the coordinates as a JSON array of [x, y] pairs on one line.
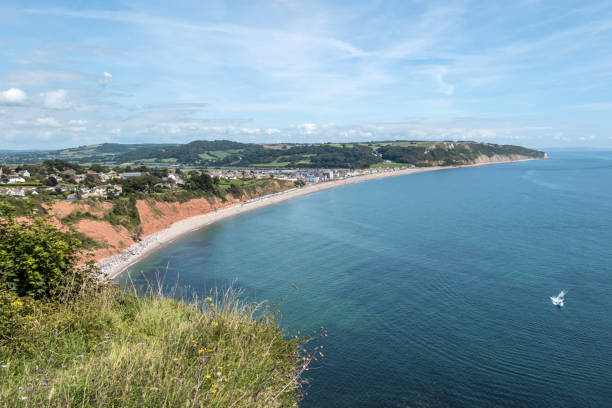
[[24, 174], [176, 179], [15, 179], [130, 175], [108, 176], [13, 192]]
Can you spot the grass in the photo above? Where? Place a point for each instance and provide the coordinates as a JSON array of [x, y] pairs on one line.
[[116, 349], [271, 164], [206, 156], [376, 165]]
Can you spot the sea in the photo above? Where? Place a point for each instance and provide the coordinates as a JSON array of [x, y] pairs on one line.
[[434, 288]]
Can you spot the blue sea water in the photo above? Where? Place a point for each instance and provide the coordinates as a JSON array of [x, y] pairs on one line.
[[434, 287]]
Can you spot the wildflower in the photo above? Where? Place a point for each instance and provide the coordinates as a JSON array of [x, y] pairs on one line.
[[200, 351], [208, 376], [208, 299], [23, 398], [215, 324], [225, 380], [210, 350], [4, 365], [20, 388], [94, 400], [193, 341], [213, 391], [220, 367], [80, 356], [16, 304]]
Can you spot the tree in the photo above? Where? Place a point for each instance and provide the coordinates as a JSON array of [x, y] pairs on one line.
[[39, 260], [200, 182], [91, 180], [235, 190], [98, 168], [50, 181]]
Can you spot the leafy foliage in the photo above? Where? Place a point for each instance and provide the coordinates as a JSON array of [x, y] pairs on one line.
[[39, 260]]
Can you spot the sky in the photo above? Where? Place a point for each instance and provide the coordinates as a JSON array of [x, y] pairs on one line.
[[527, 72]]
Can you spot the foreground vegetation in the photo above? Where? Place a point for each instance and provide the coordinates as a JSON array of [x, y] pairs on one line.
[[115, 349], [67, 340]]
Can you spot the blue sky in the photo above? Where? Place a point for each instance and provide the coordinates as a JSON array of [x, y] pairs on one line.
[[535, 73]]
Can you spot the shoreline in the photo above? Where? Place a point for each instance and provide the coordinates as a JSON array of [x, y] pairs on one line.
[[113, 266]]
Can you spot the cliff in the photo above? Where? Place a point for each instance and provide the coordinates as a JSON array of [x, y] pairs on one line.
[[107, 228]]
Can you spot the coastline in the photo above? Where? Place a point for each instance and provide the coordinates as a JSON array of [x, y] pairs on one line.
[[113, 266]]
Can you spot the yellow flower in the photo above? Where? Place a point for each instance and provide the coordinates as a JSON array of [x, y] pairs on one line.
[[225, 380], [213, 391], [215, 324], [193, 341], [210, 350], [208, 376], [200, 351], [208, 299], [16, 303], [220, 367]]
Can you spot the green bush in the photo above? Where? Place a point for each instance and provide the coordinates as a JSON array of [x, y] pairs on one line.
[[39, 260]]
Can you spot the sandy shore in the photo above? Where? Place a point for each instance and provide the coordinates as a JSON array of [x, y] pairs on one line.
[[113, 266]]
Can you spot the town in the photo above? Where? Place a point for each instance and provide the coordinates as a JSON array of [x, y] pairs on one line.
[[69, 181]]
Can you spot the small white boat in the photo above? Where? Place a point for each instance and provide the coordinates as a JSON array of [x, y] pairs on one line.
[[559, 299]]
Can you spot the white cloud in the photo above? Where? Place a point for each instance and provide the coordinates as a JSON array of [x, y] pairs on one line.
[[445, 87], [56, 100], [107, 78], [115, 131], [47, 121], [77, 122], [13, 96], [307, 128]]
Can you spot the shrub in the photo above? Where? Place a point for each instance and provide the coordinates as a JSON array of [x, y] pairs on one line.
[[39, 260]]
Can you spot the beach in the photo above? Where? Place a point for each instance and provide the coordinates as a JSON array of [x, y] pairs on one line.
[[113, 266]]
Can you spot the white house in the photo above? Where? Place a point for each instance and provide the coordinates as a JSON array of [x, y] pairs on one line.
[[16, 179]]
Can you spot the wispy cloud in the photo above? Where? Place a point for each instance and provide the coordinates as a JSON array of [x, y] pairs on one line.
[[319, 70]]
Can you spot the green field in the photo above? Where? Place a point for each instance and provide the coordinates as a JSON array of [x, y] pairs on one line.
[[378, 165], [271, 164]]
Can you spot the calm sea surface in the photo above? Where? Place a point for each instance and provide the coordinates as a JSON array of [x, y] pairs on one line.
[[434, 287]]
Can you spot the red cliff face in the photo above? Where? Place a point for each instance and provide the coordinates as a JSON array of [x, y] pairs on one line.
[[154, 216]]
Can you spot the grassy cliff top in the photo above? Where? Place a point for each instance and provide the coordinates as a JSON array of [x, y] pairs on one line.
[[116, 349]]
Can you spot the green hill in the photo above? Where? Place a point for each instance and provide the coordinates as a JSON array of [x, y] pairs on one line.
[[225, 153]]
